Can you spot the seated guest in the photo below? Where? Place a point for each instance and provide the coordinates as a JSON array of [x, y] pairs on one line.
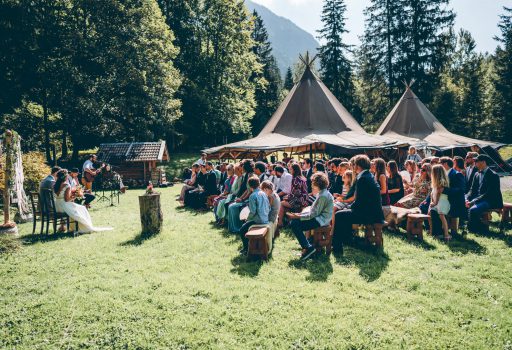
[[366, 208], [319, 215], [382, 180], [434, 160], [47, 184], [471, 169], [439, 203], [272, 177], [485, 194], [337, 187], [455, 193], [259, 207], [196, 179], [75, 184], [223, 175], [242, 196], [459, 165], [197, 198], [285, 181], [297, 199], [409, 175], [307, 171], [412, 155], [222, 206], [227, 186], [420, 191], [335, 180], [260, 170], [273, 198], [318, 167], [202, 160], [395, 184], [346, 198]]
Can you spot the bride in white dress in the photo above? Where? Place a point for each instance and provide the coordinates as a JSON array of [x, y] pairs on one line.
[[64, 203]]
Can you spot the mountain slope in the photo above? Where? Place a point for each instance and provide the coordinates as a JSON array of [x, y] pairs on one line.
[[287, 39]]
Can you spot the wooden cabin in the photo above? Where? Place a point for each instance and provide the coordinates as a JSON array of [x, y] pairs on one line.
[[134, 161]]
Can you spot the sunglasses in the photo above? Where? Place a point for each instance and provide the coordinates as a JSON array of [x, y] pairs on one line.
[[424, 170]]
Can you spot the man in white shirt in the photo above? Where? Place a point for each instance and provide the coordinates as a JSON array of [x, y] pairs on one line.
[[285, 181], [89, 172], [202, 160]]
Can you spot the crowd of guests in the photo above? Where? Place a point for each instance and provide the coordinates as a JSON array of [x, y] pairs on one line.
[[339, 192]]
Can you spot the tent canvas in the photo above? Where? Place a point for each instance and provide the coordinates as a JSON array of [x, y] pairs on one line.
[[410, 121], [309, 117]]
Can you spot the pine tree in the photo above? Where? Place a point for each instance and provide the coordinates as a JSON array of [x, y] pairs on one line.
[[335, 68], [268, 81], [504, 74], [288, 80]]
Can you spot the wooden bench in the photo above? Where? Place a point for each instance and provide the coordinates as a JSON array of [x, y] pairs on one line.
[[258, 246], [322, 238], [506, 216], [415, 225], [373, 234]]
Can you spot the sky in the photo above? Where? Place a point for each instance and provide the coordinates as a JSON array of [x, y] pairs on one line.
[[480, 17]]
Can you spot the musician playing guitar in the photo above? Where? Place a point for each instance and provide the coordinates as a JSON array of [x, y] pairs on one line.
[[90, 172]]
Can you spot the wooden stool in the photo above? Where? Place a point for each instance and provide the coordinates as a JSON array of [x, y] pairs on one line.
[[415, 225], [373, 234], [322, 238], [506, 216], [257, 242]]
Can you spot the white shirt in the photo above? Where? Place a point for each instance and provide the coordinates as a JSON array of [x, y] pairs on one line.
[[285, 183], [201, 161], [88, 165]]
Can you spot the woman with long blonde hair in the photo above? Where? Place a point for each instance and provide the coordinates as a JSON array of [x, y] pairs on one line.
[[438, 200]]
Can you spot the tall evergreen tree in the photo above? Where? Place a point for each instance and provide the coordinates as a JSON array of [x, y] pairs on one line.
[[268, 81], [288, 79], [335, 68], [504, 74]]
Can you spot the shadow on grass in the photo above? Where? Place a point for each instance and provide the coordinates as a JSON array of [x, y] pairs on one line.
[[494, 233], [464, 245], [415, 241], [139, 239], [232, 237], [191, 211], [246, 268], [319, 267], [372, 262], [44, 238]]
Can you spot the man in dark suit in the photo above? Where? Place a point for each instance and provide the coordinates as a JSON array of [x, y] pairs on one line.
[[485, 194], [307, 171], [471, 169], [366, 208], [455, 195]]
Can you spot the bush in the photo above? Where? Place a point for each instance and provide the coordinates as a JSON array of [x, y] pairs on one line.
[[34, 170]]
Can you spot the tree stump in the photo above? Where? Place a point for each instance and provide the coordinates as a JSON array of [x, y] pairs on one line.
[[151, 216]]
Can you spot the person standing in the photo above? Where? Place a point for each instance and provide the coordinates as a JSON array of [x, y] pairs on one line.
[[307, 171], [413, 155], [485, 194], [89, 172]]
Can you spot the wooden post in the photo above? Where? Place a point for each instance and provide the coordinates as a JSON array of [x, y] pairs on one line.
[[8, 226], [151, 216]]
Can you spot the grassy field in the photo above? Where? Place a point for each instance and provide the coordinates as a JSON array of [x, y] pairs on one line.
[[187, 288]]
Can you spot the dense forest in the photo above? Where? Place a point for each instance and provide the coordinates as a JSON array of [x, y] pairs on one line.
[[75, 73]]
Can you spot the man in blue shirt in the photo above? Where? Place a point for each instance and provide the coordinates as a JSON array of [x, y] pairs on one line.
[[259, 207]]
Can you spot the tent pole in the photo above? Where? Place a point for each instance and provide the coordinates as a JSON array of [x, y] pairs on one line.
[[311, 151]]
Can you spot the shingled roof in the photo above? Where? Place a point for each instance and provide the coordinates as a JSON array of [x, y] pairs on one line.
[[133, 152]]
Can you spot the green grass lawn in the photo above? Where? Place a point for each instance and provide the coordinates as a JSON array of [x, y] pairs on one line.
[[186, 288]]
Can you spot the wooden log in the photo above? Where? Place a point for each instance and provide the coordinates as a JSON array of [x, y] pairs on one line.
[[8, 177], [151, 216]]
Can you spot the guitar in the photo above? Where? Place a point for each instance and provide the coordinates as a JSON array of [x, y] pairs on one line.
[[90, 174]]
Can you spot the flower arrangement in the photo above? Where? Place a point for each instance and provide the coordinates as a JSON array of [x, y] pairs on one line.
[[149, 189]]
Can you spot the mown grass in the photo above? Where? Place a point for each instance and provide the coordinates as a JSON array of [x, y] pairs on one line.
[[186, 288]]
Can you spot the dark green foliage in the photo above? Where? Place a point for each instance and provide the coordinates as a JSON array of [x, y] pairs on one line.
[[288, 80], [335, 68], [268, 81], [504, 75]]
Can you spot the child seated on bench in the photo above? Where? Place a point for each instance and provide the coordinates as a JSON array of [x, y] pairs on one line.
[[259, 207]]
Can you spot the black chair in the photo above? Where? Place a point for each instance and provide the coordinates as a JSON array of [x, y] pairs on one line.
[[36, 211], [50, 212]]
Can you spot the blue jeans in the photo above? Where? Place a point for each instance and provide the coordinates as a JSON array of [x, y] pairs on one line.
[[299, 226], [475, 213], [234, 223]]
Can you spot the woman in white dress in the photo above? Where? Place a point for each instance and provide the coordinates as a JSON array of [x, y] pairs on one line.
[[64, 203]]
